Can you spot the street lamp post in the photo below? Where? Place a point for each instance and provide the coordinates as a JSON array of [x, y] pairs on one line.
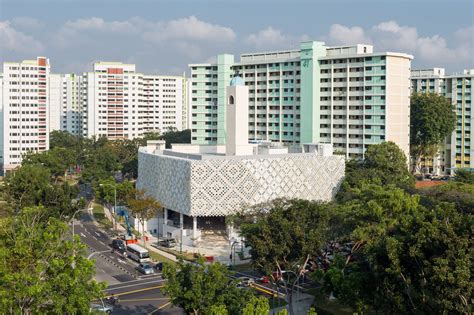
[[115, 204]]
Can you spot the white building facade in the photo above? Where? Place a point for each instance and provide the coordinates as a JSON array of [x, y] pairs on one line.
[[119, 103], [25, 109]]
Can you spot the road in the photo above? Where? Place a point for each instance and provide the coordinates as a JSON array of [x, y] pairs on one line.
[[138, 294], [142, 296]]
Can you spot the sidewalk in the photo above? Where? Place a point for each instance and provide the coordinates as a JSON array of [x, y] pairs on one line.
[[151, 240]]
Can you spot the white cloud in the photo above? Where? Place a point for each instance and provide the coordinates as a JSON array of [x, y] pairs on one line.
[[195, 29], [26, 23], [15, 41], [343, 35], [188, 28], [432, 50], [271, 38]]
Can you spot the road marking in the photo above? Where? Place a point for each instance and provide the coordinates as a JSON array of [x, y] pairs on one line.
[[159, 308], [135, 291], [135, 284], [83, 235], [136, 300], [264, 290]]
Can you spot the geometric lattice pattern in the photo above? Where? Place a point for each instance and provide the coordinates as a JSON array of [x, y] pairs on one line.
[[224, 185]]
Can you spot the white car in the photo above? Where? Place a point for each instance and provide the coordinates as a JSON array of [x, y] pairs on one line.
[[146, 268], [245, 281], [101, 308]]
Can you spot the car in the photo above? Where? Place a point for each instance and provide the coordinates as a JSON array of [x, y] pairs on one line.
[[168, 242], [245, 281], [158, 266], [101, 308], [145, 268], [118, 245]]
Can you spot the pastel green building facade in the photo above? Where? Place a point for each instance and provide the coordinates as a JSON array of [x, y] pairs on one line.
[[315, 94]]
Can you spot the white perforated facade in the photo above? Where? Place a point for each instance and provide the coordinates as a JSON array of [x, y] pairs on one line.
[[217, 185]]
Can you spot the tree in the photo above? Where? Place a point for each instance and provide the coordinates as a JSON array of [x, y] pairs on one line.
[[464, 176], [460, 194], [284, 235], [204, 289], [256, 306], [31, 185], [175, 136], [143, 208], [384, 164], [432, 120], [26, 186], [412, 259], [42, 271], [56, 160], [63, 139]]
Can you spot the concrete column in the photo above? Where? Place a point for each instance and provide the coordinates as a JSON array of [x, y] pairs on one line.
[[165, 221], [195, 224], [181, 227]]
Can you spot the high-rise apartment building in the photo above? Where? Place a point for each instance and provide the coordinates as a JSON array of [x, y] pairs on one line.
[[119, 103], [458, 151], [25, 109], [112, 101], [349, 96]]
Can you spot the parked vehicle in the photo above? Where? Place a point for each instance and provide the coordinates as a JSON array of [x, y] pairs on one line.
[[168, 242], [101, 308], [138, 253], [118, 245], [145, 268], [246, 281], [158, 266]]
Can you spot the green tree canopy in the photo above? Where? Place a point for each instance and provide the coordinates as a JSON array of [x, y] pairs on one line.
[[32, 185], [142, 207], [412, 259], [285, 232], [174, 136], [432, 120], [41, 270], [384, 164], [464, 176], [204, 289]]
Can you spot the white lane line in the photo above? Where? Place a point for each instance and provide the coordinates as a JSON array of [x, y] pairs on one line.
[[83, 235], [133, 285]]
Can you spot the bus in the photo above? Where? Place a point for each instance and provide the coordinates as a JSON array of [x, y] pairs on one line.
[[138, 253]]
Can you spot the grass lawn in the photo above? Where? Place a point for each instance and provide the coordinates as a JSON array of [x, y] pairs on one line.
[[157, 257], [99, 215], [185, 255], [326, 307]]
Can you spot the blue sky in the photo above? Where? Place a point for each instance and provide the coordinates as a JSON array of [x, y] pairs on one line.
[[165, 36]]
